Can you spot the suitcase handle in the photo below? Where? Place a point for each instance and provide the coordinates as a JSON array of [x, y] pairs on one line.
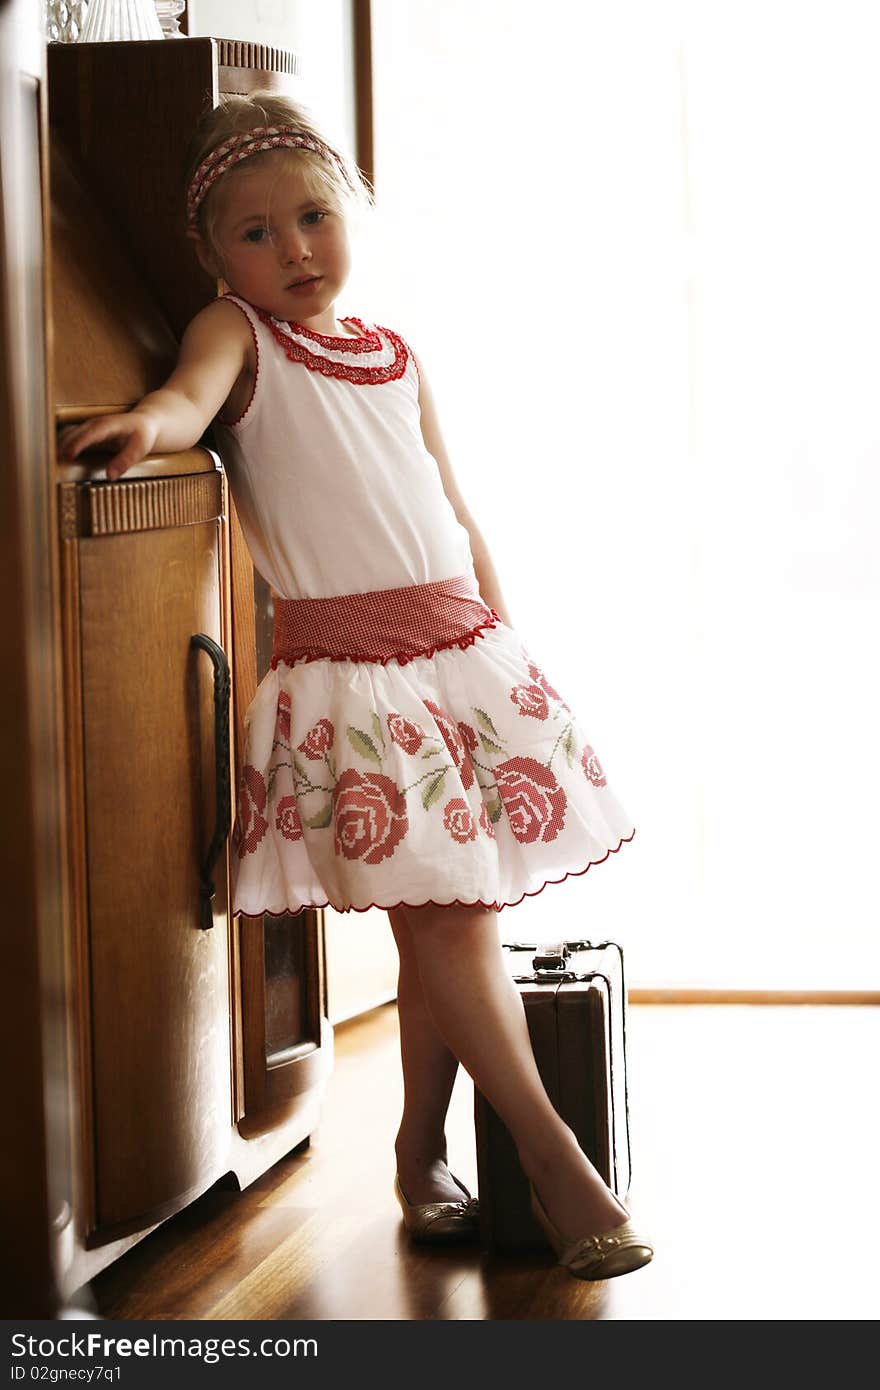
[[557, 948], [554, 956]]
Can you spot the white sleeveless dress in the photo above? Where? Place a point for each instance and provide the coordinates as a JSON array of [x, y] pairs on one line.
[[456, 777]]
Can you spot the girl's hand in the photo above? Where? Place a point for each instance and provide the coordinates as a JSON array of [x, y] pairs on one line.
[[136, 430]]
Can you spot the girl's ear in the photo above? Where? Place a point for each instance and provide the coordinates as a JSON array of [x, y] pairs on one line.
[[207, 258]]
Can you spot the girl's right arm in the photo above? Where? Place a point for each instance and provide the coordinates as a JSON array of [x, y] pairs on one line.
[[216, 348]]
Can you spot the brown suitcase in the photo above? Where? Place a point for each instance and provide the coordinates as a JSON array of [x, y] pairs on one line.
[[574, 995]]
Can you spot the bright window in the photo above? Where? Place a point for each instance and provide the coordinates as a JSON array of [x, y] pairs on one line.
[[636, 248]]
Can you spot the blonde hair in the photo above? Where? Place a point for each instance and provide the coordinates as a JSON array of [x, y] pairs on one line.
[[340, 187]]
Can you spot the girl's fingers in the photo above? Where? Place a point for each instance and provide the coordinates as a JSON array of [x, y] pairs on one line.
[[122, 462], [67, 442], [75, 438], [71, 444], [93, 432]]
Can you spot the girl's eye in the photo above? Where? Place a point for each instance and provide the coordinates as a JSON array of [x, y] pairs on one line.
[[316, 215], [255, 234]]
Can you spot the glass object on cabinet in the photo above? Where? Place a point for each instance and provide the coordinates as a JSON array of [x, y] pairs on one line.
[[108, 21], [64, 20], [169, 12]]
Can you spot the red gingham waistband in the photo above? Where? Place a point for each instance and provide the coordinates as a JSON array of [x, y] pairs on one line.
[[383, 624]]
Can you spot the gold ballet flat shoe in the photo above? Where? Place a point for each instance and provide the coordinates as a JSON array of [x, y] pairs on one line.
[[595, 1257], [440, 1221]]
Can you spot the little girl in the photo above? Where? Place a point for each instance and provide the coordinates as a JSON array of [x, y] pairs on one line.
[[405, 751]]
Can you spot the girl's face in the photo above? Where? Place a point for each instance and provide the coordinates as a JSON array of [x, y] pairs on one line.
[[279, 248]]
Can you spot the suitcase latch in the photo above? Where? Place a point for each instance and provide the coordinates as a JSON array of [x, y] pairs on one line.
[[551, 957]]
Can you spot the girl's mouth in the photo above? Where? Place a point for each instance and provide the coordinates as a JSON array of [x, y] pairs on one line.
[[304, 284]]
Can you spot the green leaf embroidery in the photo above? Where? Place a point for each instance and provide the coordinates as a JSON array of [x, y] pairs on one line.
[[300, 770], [377, 730], [486, 722], [568, 747], [433, 790], [321, 819], [363, 744], [494, 809], [491, 747]]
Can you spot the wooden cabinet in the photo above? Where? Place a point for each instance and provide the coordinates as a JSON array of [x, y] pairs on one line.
[[36, 1180], [127, 112], [202, 1044], [155, 1050], [144, 569]]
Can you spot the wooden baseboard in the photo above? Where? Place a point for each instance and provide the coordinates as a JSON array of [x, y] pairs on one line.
[[753, 996]]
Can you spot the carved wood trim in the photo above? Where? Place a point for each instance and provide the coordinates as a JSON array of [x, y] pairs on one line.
[[112, 509], [67, 512], [235, 53]]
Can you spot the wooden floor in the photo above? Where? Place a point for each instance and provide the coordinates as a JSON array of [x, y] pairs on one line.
[[755, 1172]]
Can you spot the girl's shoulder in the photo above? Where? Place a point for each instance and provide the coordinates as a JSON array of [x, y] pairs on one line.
[[225, 316], [232, 309], [229, 329]]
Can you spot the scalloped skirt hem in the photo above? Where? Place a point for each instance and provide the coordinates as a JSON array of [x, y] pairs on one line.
[[454, 902]]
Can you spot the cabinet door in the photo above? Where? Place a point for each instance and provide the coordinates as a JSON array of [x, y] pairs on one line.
[[159, 982], [287, 1042]]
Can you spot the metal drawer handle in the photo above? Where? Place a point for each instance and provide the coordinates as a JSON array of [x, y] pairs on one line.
[[221, 770]]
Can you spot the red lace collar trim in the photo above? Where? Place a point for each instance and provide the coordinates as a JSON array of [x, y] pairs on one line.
[[315, 360], [369, 341]]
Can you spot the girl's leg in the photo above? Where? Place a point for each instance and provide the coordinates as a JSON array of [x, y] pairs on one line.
[[478, 1010], [429, 1071]]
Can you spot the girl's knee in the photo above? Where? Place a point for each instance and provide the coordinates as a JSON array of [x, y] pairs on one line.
[[403, 938]]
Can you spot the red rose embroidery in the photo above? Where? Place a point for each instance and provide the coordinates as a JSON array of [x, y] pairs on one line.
[[533, 799], [531, 700], [287, 818], [318, 740], [250, 824], [593, 769], [538, 675], [459, 821], [369, 815], [468, 737], [282, 719], [405, 733], [454, 742], [485, 823]]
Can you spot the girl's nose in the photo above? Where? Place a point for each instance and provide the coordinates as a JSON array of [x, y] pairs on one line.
[[292, 245]]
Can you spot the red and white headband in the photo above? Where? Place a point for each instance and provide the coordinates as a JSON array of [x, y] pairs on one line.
[[242, 146]]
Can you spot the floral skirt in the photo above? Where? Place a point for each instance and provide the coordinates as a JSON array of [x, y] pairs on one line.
[[405, 748]]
